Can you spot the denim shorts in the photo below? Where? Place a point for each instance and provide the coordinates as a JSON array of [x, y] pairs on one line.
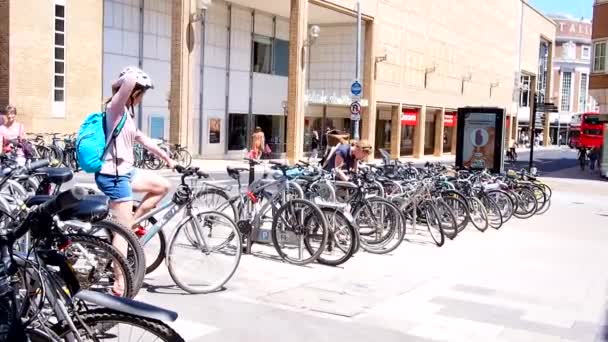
[[117, 189]]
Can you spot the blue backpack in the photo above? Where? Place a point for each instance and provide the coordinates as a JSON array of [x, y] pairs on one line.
[[92, 143]]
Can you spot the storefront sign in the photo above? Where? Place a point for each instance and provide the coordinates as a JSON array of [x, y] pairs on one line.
[[409, 117], [214, 130], [319, 98], [449, 119]]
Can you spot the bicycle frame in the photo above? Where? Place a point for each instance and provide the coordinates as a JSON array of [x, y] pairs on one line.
[[173, 209]]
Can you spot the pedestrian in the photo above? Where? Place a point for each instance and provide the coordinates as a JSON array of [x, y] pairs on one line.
[[593, 157], [12, 134], [582, 157], [314, 145], [258, 143]]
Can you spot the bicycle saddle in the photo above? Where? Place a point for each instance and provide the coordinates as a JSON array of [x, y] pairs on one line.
[[56, 175], [235, 172], [91, 208]]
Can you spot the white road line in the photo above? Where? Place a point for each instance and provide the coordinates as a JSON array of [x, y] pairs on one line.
[[190, 330]]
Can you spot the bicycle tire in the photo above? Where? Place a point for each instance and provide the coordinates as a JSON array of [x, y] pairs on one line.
[[185, 157], [396, 230], [117, 261], [448, 220], [135, 252], [309, 213], [478, 209], [432, 221], [347, 232], [541, 197], [525, 196], [495, 219], [504, 201], [157, 258], [460, 209], [173, 261], [222, 204], [109, 318]]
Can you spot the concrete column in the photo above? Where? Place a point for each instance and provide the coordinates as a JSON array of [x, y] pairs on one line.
[[439, 127], [368, 116], [454, 135], [181, 69], [549, 92], [396, 131], [515, 127], [507, 130], [419, 133], [298, 28]]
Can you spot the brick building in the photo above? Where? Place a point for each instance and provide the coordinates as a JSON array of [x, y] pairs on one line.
[[223, 67], [598, 86]]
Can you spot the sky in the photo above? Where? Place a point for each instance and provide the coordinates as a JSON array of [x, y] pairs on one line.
[[576, 8]]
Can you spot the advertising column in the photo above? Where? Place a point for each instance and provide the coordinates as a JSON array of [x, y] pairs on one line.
[[480, 140]]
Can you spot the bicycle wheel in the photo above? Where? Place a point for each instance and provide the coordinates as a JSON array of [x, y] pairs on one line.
[[185, 157], [294, 222], [526, 203], [478, 214], [381, 226], [212, 199], [98, 265], [459, 208], [540, 196], [341, 239], [504, 202], [155, 251], [206, 264], [110, 229], [56, 155], [493, 210], [103, 324], [447, 218], [433, 222]]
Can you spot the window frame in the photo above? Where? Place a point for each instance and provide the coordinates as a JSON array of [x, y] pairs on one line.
[[596, 57], [58, 108], [561, 102], [273, 41], [583, 88], [525, 83], [586, 56]]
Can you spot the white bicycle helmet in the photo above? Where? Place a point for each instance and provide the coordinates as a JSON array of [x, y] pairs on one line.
[[140, 76]]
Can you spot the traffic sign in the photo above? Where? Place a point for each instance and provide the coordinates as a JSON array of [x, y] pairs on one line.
[[355, 110], [546, 107], [355, 107], [355, 88]]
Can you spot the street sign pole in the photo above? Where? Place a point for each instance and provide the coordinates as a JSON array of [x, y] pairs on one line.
[[532, 134], [358, 63]]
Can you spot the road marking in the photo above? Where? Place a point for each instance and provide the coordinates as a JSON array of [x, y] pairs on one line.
[[190, 330]]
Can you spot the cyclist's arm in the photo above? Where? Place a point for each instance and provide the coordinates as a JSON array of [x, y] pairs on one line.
[[338, 167], [146, 142], [116, 107]]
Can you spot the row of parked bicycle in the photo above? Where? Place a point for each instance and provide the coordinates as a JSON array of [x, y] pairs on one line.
[[60, 149], [63, 254]]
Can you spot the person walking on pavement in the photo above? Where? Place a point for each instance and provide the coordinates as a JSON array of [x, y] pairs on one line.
[[258, 141], [593, 157], [582, 157], [314, 145]]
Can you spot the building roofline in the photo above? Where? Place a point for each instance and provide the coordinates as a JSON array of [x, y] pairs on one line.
[[539, 12]]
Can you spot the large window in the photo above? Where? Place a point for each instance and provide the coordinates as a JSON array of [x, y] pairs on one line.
[[262, 54], [270, 55], [599, 57], [237, 132], [524, 97], [586, 52], [582, 99], [59, 53], [566, 91]]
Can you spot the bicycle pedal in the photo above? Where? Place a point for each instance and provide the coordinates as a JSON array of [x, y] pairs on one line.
[[244, 227]]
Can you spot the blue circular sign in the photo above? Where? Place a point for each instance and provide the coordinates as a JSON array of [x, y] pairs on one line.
[[355, 88]]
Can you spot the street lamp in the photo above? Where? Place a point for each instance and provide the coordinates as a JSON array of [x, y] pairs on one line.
[[313, 34], [429, 71], [201, 7], [492, 86]]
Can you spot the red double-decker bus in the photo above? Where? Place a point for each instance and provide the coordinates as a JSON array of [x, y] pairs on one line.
[[586, 131]]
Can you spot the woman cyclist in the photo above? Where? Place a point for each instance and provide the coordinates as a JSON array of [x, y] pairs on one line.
[[118, 178]]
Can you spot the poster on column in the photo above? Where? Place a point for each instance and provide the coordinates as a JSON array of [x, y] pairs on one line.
[[214, 130], [480, 142]]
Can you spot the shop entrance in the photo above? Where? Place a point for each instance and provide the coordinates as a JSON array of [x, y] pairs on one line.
[[383, 130], [449, 124], [409, 118]]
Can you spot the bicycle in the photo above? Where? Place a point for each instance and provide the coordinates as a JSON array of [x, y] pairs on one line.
[[208, 233]]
